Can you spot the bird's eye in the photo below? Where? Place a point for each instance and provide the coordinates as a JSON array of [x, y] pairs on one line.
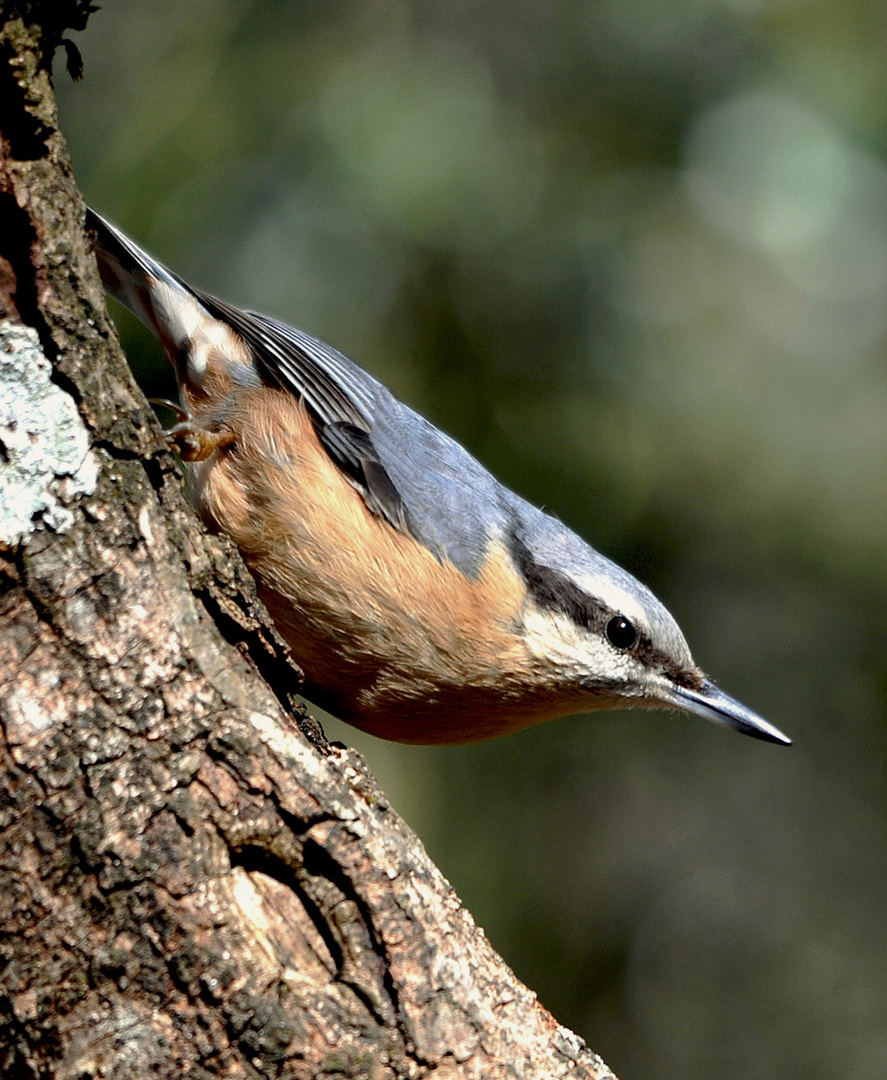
[[621, 633]]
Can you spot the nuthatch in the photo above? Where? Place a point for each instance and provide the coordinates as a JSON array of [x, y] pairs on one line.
[[424, 601]]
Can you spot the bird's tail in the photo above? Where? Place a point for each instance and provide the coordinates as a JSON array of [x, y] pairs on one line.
[[154, 294]]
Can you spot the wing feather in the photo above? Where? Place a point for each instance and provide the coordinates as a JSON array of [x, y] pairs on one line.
[[336, 393]]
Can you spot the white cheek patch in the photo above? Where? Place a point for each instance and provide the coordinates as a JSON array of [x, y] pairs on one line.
[[573, 653]]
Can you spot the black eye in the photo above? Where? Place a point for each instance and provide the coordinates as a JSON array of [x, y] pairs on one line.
[[620, 632]]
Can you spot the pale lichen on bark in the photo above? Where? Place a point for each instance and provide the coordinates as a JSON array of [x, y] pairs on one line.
[[45, 456]]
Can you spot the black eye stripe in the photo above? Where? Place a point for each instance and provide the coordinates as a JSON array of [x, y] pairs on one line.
[[555, 592]]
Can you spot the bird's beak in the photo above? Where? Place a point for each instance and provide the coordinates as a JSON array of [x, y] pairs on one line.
[[713, 704]]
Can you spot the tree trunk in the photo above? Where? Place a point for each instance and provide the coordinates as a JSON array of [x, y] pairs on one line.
[[192, 881]]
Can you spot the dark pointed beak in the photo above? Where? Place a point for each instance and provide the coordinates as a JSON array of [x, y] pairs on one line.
[[713, 704]]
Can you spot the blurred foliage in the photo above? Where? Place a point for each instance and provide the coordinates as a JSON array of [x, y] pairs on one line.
[[633, 253]]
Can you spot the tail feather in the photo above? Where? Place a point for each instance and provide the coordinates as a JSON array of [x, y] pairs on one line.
[[169, 307], [134, 278], [192, 337]]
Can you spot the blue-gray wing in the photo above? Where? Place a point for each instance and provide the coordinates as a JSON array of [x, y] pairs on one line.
[[412, 475]]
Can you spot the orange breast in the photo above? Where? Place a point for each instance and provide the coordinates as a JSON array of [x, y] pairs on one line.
[[390, 639]]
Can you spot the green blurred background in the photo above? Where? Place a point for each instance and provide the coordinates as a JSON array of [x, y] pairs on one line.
[[634, 255]]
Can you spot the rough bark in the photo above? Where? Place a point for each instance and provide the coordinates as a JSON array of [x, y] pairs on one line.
[[192, 882]]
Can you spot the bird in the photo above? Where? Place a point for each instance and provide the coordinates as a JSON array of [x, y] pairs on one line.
[[424, 601]]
